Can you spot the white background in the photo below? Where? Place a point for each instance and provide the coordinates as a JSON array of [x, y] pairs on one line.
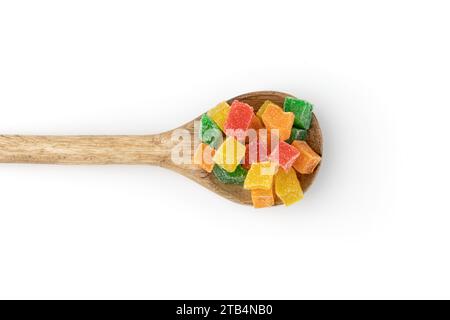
[[374, 225]]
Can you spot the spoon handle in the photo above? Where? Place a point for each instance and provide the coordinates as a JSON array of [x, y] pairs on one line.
[[85, 150]]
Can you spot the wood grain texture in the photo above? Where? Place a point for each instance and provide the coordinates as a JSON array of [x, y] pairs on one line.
[[139, 150], [83, 149]]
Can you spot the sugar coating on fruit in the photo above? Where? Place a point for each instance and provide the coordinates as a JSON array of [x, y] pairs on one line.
[[302, 111], [229, 154], [239, 119], [256, 123], [262, 152], [262, 198], [267, 139], [235, 177], [297, 134], [203, 157], [260, 176], [275, 118], [284, 154], [308, 159], [209, 132], [287, 187], [219, 114], [255, 151], [262, 109]]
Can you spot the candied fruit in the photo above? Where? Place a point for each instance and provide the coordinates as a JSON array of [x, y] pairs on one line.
[[297, 134], [284, 154], [275, 118], [229, 154], [239, 119], [255, 151], [256, 123], [235, 177], [209, 132], [260, 176], [302, 111], [308, 160], [262, 198], [219, 114], [203, 157], [263, 108], [287, 187]]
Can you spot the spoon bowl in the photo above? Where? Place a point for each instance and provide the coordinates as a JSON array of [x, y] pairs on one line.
[[235, 192]]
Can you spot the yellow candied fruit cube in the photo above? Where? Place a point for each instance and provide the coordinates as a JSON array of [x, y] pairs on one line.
[[262, 109], [260, 176], [219, 114], [229, 154], [287, 187]]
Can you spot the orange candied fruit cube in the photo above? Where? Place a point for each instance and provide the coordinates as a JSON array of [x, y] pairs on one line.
[[256, 123], [203, 157], [275, 118], [308, 160], [262, 198]]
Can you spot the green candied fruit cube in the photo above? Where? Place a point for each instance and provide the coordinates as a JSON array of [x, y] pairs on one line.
[[297, 134], [209, 132], [302, 111], [236, 177]]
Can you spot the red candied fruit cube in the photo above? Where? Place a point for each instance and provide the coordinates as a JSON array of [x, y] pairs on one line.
[[239, 118], [285, 155], [259, 153]]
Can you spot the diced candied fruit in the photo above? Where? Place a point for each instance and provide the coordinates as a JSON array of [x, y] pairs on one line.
[[297, 134], [262, 198], [256, 123], [308, 160], [203, 157], [262, 109], [284, 154], [229, 154], [239, 119], [235, 177], [209, 132], [255, 151], [260, 176], [219, 114], [275, 118], [287, 187], [302, 111]]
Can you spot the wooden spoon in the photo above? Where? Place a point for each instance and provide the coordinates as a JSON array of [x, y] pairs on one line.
[[134, 150]]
